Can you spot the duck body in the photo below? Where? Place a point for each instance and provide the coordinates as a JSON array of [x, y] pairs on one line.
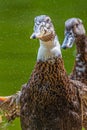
[[49, 101], [80, 70]]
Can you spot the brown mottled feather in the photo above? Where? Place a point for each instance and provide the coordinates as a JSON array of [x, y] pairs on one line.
[[10, 106], [81, 46], [75, 32], [50, 99]]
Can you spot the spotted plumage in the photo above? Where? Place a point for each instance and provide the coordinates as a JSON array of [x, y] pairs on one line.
[[75, 32], [10, 106], [49, 101], [80, 67], [48, 97]]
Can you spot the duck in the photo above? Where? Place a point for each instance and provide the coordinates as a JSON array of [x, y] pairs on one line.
[[49, 100], [75, 33], [10, 105]]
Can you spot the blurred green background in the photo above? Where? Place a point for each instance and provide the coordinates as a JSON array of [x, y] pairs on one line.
[[17, 52]]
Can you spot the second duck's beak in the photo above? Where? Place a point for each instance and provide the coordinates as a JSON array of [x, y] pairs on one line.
[[69, 40]]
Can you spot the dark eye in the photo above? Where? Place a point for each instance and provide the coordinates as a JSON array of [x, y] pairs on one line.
[[72, 27], [48, 19], [76, 25]]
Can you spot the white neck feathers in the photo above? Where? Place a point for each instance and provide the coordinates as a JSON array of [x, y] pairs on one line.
[[49, 49]]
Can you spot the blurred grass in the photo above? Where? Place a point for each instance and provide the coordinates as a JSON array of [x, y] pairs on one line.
[[17, 51]]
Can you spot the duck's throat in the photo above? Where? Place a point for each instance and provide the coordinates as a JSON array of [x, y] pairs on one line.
[[80, 67], [49, 49], [81, 46]]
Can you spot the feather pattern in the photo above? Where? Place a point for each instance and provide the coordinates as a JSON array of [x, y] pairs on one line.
[[49, 101], [75, 30], [49, 97]]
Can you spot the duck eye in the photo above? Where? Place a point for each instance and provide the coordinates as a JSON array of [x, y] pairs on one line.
[[48, 19], [72, 27], [76, 25]]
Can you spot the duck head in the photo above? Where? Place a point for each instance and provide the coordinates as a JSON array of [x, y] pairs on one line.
[[73, 28], [44, 31], [43, 28]]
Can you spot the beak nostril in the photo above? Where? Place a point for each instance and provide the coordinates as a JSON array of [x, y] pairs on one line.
[[33, 36]]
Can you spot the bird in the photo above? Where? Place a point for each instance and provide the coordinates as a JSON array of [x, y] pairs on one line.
[[49, 100], [75, 32], [10, 105]]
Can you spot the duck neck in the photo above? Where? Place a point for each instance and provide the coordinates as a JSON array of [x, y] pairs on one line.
[[81, 45], [80, 67], [49, 49], [55, 71]]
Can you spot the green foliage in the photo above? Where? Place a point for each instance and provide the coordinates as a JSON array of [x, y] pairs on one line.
[[17, 51]]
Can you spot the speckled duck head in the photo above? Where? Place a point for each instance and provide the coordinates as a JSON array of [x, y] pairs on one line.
[[44, 31], [73, 28]]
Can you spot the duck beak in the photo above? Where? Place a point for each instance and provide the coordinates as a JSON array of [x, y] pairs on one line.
[[69, 40], [36, 36]]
